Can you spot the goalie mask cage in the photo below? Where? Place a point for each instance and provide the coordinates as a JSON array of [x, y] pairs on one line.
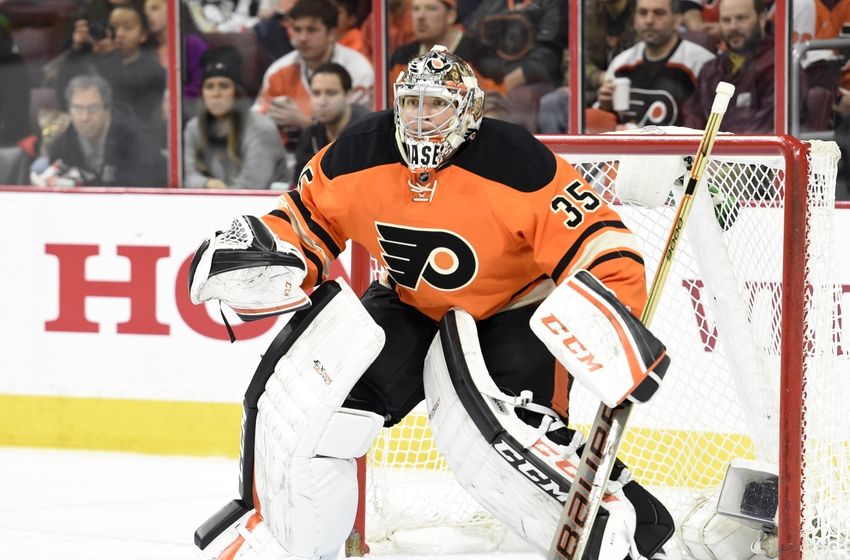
[[751, 315]]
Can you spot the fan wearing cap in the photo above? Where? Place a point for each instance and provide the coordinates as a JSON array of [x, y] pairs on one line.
[[463, 212], [226, 145]]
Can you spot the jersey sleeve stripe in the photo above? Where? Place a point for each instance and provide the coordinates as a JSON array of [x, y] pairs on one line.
[[280, 214], [317, 262], [624, 254], [314, 227], [305, 236], [592, 230], [607, 242], [309, 254]]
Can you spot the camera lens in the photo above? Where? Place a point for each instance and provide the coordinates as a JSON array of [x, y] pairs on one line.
[[97, 30]]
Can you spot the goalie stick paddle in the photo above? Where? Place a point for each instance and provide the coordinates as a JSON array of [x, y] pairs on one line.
[[573, 530]]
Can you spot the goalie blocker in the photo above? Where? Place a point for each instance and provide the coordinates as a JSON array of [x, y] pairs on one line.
[[599, 341]]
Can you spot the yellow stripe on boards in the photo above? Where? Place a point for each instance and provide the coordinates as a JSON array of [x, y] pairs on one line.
[[677, 458], [141, 426]]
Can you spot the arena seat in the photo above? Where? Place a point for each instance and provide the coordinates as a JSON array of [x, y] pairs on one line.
[[14, 166], [818, 109]]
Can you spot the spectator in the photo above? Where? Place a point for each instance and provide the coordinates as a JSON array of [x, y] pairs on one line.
[[14, 92], [399, 27], [348, 27], [103, 146], [608, 31], [96, 13], [662, 67], [434, 24], [330, 88], [193, 44], [124, 57], [284, 95], [227, 16], [523, 48], [227, 146], [272, 35], [747, 63], [523, 40], [700, 16]]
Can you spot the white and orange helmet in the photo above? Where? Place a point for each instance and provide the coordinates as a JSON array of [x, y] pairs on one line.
[[442, 75]]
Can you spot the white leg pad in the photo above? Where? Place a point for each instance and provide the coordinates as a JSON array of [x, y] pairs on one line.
[[525, 497], [304, 471]]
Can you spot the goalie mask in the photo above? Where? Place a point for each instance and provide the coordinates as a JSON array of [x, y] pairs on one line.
[[438, 106]]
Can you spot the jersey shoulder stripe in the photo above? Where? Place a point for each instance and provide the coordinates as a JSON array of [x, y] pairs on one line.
[[524, 163], [368, 143]]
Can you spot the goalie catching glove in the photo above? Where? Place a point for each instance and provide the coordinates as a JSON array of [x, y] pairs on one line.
[[599, 341], [250, 269]]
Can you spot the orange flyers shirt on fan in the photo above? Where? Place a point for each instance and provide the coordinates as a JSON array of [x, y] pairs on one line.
[[289, 76], [506, 218]]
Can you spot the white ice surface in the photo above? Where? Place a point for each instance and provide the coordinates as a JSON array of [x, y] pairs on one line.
[[82, 505]]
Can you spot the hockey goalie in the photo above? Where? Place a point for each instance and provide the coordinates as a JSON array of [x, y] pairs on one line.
[[507, 279]]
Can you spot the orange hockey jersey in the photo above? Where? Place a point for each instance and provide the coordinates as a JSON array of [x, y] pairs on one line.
[[506, 216]]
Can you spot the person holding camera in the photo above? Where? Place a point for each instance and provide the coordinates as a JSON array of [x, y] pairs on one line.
[[120, 50]]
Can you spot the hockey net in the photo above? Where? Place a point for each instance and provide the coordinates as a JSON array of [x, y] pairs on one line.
[[751, 318]]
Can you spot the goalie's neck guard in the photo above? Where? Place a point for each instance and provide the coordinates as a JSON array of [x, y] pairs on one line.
[[438, 106]]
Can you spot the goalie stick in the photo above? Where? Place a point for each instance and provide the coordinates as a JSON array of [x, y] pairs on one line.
[[573, 530]]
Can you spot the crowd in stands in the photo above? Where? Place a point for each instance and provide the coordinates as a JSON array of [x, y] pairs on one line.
[[267, 83]]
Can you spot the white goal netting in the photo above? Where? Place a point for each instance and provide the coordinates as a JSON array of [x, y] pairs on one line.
[[750, 312]]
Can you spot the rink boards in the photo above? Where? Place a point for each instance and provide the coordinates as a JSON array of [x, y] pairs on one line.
[[101, 347]]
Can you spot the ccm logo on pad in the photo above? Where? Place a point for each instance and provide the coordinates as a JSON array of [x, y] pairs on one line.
[[571, 343]]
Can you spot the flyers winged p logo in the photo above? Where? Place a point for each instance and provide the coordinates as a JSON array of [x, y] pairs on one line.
[[440, 258], [437, 63]]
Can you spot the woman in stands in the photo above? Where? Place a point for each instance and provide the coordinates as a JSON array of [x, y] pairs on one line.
[[227, 146]]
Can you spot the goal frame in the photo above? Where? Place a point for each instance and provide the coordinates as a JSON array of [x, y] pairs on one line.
[[795, 224]]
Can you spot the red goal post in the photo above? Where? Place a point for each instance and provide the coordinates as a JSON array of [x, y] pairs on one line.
[[757, 299]]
